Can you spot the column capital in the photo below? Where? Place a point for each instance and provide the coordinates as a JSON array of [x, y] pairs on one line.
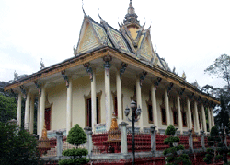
[[123, 124], [157, 82], [89, 71], [142, 78], [152, 128], [23, 91], [181, 92], [107, 59], [66, 79], [88, 130], [169, 88], [202, 132], [123, 68], [59, 133]]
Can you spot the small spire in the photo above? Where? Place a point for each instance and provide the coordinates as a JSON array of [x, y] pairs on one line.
[[83, 8], [131, 16]]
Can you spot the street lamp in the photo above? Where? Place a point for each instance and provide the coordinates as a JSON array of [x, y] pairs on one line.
[[136, 112]]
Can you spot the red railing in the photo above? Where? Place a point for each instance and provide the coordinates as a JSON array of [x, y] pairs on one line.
[[160, 145], [196, 141], [142, 142], [184, 140]]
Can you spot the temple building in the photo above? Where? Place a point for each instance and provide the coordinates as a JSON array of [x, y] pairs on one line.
[[111, 68]]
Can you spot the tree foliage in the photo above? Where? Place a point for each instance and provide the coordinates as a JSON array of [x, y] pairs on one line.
[[223, 115], [76, 137], [216, 152], [17, 146], [220, 68], [174, 157], [8, 108]]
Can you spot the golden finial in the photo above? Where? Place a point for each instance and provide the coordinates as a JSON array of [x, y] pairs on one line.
[[44, 141], [114, 132]]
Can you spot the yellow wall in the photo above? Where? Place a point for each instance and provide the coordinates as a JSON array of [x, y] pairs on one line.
[[82, 87]]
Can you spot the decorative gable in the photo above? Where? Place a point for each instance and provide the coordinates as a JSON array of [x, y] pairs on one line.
[[88, 39], [145, 47]]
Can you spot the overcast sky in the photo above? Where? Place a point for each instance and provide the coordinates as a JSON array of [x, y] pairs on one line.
[[189, 34]]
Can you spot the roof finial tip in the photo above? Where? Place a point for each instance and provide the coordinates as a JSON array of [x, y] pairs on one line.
[[83, 8], [131, 3]]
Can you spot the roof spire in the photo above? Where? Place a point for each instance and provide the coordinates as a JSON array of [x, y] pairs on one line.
[[131, 17], [83, 8]]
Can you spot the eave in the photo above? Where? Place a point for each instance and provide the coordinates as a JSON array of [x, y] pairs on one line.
[[127, 58]]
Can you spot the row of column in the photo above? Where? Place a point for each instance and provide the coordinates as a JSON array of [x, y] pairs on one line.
[[29, 113], [180, 126]]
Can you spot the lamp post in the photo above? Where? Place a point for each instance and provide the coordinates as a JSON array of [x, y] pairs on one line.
[[136, 112]]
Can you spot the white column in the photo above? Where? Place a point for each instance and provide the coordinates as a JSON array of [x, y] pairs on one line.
[[94, 100], [69, 107], [154, 106], [139, 102], [42, 109], [167, 108], [31, 125], [203, 119], [19, 109], [212, 118], [27, 112], [38, 117], [179, 116], [107, 99], [189, 114], [118, 83], [196, 122], [209, 120]]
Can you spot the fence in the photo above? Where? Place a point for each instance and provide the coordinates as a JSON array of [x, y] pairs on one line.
[[120, 142], [55, 146]]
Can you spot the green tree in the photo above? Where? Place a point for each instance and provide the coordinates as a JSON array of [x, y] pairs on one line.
[[174, 157], [8, 108], [214, 142], [223, 114], [220, 68], [17, 146], [76, 137]]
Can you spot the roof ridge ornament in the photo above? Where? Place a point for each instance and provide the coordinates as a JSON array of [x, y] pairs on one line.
[[41, 64], [83, 8], [131, 17]]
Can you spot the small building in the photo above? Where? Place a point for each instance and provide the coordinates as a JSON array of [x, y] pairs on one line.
[[109, 69]]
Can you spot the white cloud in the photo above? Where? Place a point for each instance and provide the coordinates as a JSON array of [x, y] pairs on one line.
[[188, 34]]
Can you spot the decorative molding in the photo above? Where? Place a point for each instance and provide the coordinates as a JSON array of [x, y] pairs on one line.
[[23, 91], [181, 92], [169, 88], [191, 96], [107, 65], [157, 83], [38, 86], [123, 68], [89, 70], [65, 79], [142, 78]]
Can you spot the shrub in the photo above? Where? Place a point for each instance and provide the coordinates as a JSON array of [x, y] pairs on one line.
[[173, 157], [171, 130], [76, 137]]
